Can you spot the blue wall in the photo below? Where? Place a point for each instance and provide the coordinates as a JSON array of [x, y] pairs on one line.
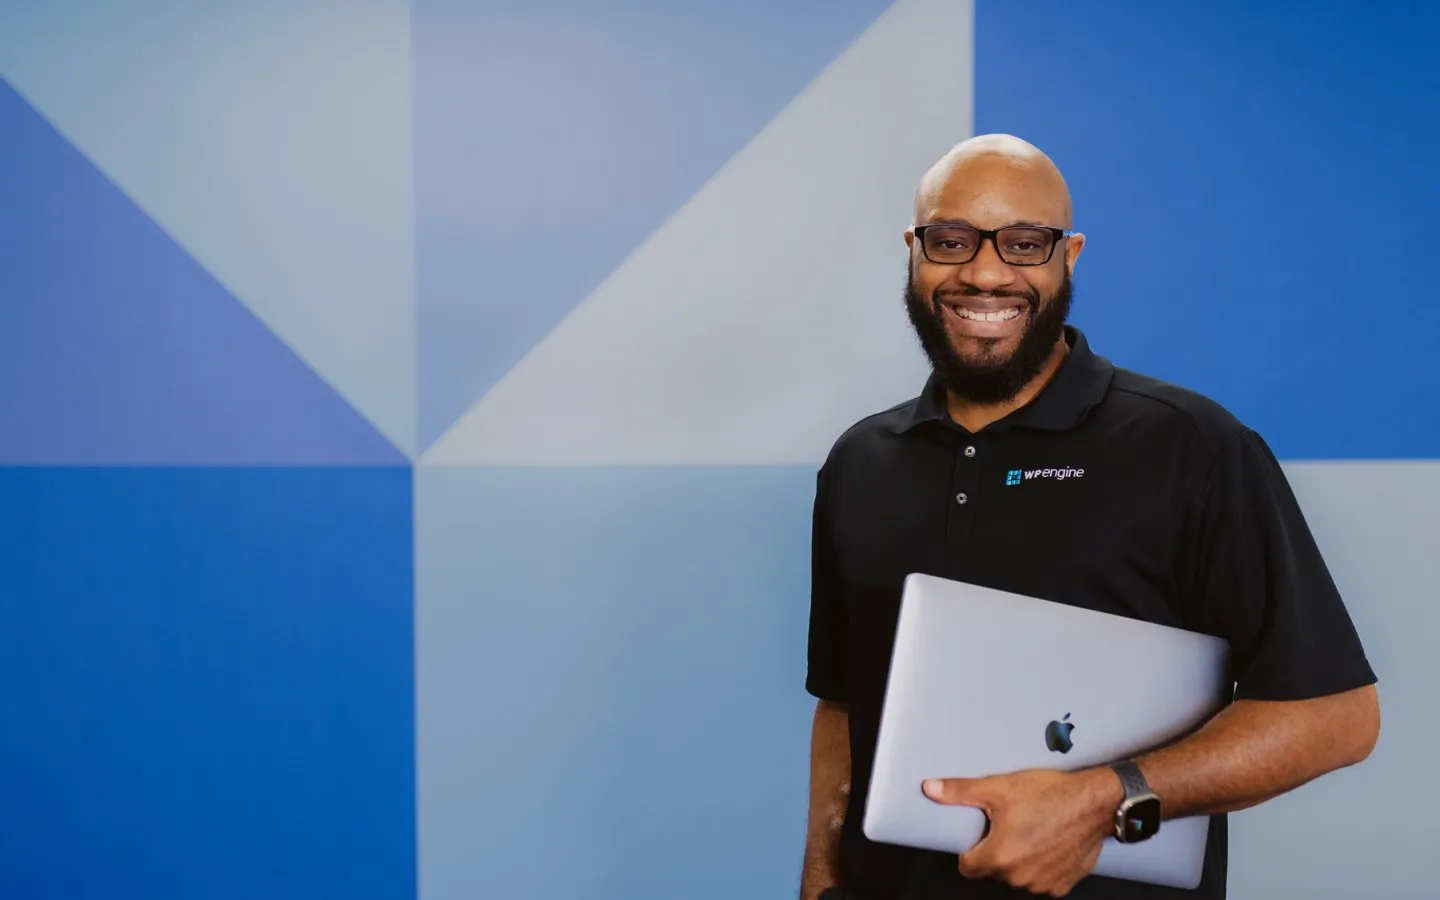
[[207, 682], [290, 292], [1257, 180]]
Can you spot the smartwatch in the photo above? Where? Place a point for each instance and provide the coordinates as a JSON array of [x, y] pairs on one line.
[[1138, 818]]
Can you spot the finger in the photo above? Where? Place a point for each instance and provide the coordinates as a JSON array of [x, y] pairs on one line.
[[978, 792], [1061, 890], [976, 863], [1063, 876], [981, 860]]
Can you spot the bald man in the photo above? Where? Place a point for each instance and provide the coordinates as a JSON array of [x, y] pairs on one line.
[[1172, 511]]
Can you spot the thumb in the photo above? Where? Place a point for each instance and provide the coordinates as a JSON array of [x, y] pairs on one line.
[[977, 792]]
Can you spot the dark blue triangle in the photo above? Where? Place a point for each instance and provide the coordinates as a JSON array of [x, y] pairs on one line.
[[117, 348]]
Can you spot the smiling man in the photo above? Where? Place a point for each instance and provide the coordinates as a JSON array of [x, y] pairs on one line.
[[1170, 510], [993, 332]]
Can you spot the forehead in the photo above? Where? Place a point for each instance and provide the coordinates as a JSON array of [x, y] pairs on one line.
[[989, 193]]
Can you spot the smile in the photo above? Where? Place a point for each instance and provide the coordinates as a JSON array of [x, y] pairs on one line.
[[998, 315]]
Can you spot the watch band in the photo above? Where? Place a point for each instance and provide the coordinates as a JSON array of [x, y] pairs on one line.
[[1132, 779], [1138, 816]]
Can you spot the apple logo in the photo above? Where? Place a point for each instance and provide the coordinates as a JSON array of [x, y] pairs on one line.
[[1057, 735]]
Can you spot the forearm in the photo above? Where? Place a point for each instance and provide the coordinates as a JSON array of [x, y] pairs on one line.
[[829, 794], [1254, 751]]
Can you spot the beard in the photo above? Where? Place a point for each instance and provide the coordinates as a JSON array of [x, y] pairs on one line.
[[989, 379]]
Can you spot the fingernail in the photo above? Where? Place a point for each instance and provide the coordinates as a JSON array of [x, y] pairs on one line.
[[931, 787]]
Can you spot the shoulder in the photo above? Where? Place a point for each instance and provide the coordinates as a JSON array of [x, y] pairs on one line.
[[1191, 415], [870, 437], [1210, 447]]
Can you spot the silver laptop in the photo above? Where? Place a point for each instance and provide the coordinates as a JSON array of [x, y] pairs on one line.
[[985, 682]]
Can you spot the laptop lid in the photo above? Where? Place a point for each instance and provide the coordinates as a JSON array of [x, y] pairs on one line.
[[984, 682]]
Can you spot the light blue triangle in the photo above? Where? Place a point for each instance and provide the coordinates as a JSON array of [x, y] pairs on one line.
[[271, 139], [553, 137]]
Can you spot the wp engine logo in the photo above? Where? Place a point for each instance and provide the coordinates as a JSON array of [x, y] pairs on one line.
[[1020, 476]]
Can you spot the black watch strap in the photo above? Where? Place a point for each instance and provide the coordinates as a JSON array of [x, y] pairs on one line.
[[1132, 779]]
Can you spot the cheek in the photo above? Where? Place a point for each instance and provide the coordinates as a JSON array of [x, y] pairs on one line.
[[1042, 287], [947, 280], [926, 284]]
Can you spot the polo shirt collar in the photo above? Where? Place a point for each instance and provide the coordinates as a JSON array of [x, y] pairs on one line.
[[1082, 382]]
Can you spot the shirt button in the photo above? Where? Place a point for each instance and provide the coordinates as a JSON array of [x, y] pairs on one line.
[[961, 498], [969, 451]]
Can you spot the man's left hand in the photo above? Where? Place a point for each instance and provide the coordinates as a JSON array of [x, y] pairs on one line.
[[1046, 827]]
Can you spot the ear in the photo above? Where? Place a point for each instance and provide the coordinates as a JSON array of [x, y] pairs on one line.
[[1073, 245], [910, 237]]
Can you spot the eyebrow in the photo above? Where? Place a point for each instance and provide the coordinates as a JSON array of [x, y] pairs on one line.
[[1012, 224]]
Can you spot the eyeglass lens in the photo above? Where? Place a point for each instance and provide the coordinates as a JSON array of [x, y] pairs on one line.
[[1018, 245]]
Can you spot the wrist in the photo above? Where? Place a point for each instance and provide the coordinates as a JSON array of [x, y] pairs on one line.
[[1104, 792]]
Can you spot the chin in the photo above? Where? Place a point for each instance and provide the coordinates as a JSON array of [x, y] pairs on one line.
[[985, 351]]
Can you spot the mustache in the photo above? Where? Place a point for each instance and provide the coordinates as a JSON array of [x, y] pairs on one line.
[[1030, 297]]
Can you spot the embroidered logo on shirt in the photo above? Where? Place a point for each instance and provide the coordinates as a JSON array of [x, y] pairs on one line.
[[1019, 476]]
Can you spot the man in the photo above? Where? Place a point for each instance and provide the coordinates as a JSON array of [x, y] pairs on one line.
[[1182, 516]]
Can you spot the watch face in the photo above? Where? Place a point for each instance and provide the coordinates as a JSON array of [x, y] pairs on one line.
[[1140, 821]]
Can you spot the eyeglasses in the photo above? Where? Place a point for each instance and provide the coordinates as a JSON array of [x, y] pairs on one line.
[[1018, 245]]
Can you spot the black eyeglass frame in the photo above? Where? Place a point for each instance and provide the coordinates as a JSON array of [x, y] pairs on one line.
[[992, 235]]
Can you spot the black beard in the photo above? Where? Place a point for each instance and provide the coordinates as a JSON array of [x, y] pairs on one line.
[[995, 380]]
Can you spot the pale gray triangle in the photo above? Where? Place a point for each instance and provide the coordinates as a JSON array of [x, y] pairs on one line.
[[1376, 523], [766, 316], [272, 140]]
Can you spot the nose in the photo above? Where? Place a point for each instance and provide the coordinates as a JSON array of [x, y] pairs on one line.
[[987, 271]]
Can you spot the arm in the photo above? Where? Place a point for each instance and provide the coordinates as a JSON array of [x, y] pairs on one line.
[[1048, 825], [829, 793], [1307, 703], [1306, 700], [826, 680], [1255, 750]]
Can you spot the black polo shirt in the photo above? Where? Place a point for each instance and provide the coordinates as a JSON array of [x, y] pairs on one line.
[[1112, 491]]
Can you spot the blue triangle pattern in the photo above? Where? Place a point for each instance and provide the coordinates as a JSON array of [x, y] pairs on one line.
[[117, 348], [553, 137]]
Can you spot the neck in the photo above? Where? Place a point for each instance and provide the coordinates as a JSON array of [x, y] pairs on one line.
[[975, 416]]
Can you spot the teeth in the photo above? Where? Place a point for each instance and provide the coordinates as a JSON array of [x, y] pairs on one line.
[[1002, 315]]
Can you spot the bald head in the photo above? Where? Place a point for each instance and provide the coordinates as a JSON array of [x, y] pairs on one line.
[[998, 175]]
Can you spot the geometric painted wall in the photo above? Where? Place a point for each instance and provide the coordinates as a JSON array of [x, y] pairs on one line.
[[409, 411]]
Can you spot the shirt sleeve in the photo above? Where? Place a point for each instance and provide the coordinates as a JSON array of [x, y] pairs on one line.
[[827, 665], [1263, 585]]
